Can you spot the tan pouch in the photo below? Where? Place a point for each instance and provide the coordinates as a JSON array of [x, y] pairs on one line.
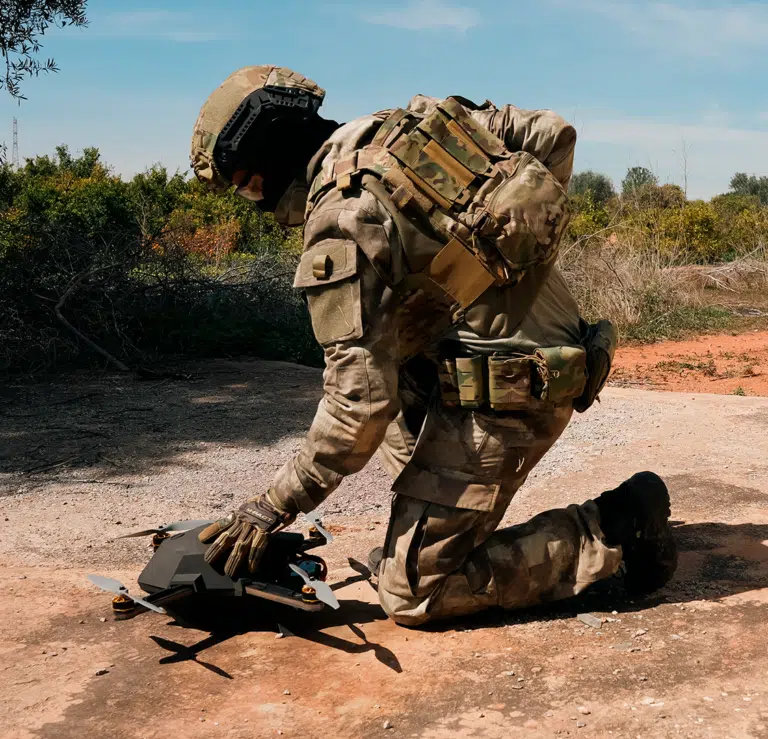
[[509, 382], [328, 273], [449, 387], [563, 372], [469, 376]]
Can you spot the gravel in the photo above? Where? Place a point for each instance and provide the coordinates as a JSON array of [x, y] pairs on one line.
[[147, 453]]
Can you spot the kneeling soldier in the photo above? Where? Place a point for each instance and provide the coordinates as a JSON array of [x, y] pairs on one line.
[[452, 343]]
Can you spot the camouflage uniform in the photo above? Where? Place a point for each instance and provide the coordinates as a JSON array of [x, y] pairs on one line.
[[455, 470]]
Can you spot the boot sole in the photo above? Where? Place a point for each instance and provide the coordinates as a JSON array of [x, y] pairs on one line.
[[652, 561]]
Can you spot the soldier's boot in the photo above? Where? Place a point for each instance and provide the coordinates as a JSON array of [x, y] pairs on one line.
[[635, 516], [374, 560]]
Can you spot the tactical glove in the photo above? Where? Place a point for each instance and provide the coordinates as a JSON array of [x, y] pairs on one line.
[[244, 534]]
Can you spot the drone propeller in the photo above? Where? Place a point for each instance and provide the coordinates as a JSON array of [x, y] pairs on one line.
[[176, 526], [314, 519], [323, 590], [116, 587]]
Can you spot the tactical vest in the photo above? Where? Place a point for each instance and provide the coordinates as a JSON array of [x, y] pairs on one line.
[[499, 214]]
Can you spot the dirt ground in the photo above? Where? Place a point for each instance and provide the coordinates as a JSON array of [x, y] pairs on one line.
[[736, 365], [88, 457]]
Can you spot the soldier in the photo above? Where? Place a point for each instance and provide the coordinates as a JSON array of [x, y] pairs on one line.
[[452, 343]]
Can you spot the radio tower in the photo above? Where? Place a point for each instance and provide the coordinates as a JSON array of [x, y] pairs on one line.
[[15, 150]]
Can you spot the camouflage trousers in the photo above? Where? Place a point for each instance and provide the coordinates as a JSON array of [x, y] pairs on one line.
[[443, 554]]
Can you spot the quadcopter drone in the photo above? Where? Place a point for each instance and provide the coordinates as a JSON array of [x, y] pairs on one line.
[[177, 575]]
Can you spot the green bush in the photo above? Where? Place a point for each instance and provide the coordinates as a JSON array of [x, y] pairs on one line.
[[147, 267]]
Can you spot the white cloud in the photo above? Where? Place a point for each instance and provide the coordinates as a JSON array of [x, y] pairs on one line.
[[713, 152], [684, 27], [421, 15], [179, 26]]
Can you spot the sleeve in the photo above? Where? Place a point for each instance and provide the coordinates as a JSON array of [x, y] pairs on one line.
[[350, 307], [542, 133]]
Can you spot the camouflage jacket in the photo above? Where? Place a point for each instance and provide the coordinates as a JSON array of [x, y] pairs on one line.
[[356, 313]]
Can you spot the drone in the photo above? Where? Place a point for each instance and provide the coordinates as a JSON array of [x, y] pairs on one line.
[[177, 577]]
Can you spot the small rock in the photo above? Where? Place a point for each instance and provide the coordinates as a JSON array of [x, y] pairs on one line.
[[103, 620], [535, 670], [81, 621], [676, 637], [590, 620], [279, 635], [648, 701], [481, 715], [583, 710], [642, 678], [286, 692], [580, 724], [507, 673], [102, 671], [640, 632], [520, 679], [202, 718], [22, 577], [708, 699], [388, 725]]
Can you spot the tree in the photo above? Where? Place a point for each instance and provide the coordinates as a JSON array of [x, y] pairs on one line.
[[636, 179], [595, 183], [22, 23], [744, 184]]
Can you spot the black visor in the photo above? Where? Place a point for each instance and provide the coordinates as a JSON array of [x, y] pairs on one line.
[[234, 146]]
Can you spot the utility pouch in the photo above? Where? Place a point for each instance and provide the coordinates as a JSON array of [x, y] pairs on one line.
[[469, 375], [563, 372], [509, 382], [449, 387], [599, 341]]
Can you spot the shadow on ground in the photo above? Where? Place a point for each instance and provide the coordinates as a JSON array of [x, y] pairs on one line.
[[115, 424], [717, 560]]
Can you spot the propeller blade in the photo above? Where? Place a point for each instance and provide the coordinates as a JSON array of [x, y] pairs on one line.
[[175, 526], [325, 594], [149, 606], [314, 519], [186, 525], [116, 587], [145, 532], [323, 591], [108, 584]]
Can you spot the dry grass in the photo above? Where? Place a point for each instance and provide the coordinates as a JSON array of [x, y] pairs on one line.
[[650, 297]]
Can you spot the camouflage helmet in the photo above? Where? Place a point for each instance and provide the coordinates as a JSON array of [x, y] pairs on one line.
[[227, 100]]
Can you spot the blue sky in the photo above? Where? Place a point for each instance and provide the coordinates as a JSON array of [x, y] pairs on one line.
[[658, 84]]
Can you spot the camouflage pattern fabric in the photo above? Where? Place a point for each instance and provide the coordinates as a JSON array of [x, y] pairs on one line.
[[444, 555]]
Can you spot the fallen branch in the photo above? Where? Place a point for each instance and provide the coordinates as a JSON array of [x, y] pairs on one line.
[[80, 335]]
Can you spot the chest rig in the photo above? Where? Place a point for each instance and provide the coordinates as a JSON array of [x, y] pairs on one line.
[[494, 214]]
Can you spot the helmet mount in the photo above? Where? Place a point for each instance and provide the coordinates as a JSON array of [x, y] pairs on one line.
[[263, 107]]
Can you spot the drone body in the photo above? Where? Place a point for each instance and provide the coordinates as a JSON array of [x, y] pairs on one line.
[[177, 576]]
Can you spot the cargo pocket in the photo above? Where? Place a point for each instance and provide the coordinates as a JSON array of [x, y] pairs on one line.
[[328, 274]]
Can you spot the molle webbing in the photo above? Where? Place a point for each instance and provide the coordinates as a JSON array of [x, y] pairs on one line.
[[446, 172], [512, 382], [430, 166]]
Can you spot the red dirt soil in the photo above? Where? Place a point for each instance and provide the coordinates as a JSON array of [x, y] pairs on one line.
[[724, 364]]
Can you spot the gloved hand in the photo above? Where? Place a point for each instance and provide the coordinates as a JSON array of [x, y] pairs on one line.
[[245, 532]]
